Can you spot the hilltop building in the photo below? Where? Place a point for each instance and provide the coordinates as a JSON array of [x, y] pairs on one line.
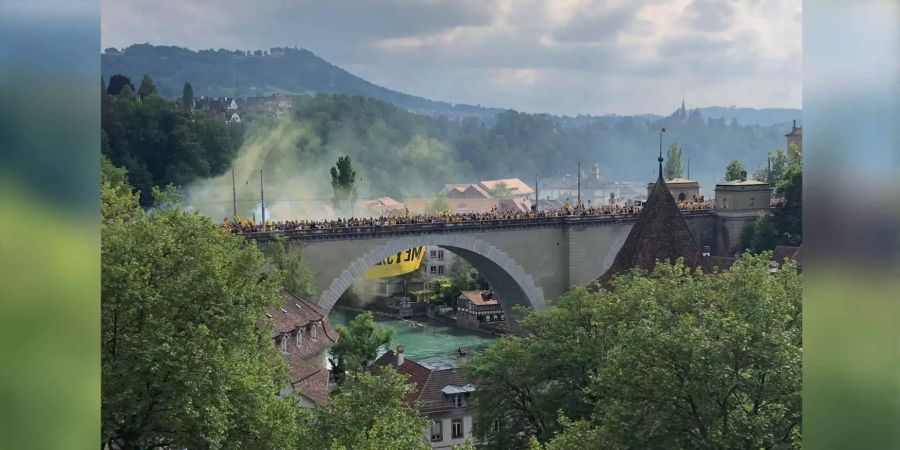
[[303, 333], [442, 395]]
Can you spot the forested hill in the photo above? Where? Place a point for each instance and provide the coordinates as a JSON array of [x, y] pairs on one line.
[[234, 73]]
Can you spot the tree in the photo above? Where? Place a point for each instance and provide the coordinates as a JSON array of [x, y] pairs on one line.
[[438, 205], [734, 170], [147, 87], [116, 83], [368, 413], [359, 343], [182, 359], [462, 275], [343, 178], [776, 165], [668, 359], [674, 167], [187, 96], [127, 93], [501, 190], [294, 273]]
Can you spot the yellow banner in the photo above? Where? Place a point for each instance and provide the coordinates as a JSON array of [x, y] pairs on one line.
[[403, 262]]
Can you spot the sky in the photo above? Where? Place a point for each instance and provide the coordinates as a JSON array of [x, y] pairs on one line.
[[561, 56]]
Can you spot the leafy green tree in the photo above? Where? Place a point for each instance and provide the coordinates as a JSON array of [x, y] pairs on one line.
[[438, 205], [343, 178], [734, 170], [296, 276], [785, 225], [358, 344], [669, 359], [368, 413], [117, 82], [776, 165], [182, 359], [147, 87], [160, 143], [187, 96], [674, 167], [501, 190], [462, 275]]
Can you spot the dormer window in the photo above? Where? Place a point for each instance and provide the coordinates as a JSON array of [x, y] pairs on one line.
[[284, 341], [299, 337], [314, 331], [458, 400]]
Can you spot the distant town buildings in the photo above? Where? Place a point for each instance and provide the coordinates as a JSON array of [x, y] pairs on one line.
[[302, 332], [682, 189], [595, 190], [238, 109], [444, 396]]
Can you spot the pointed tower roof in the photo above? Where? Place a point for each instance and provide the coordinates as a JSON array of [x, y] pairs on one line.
[[659, 234]]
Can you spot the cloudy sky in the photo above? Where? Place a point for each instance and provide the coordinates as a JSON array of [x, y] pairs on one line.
[[558, 56]]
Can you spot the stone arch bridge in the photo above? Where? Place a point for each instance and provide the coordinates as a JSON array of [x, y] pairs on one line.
[[528, 262]]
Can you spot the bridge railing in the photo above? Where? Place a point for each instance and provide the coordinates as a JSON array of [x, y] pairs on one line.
[[349, 232]]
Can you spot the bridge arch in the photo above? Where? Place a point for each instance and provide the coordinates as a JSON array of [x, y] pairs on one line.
[[507, 277]]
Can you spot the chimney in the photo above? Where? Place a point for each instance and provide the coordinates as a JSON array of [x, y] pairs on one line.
[[401, 355], [743, 175], [794, 128]]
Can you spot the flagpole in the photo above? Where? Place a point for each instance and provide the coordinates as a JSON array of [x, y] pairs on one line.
[[262, 196], [233, 194]]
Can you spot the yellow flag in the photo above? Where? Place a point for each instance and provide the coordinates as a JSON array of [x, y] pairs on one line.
[[398, 264]]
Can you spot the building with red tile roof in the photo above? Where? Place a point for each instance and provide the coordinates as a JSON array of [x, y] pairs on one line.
[[303, 333], [443, 395]]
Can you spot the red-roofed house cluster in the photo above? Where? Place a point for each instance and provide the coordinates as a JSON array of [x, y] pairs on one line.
[[302, 332]]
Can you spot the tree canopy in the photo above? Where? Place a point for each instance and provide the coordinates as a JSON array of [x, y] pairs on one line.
[[368, 413], [359, 343], [343, 179], [181, 353], [673, 167], [734, 170], [669, 359], [160, 143]]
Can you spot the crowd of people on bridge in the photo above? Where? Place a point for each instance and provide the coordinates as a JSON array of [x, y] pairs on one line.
[[242, 225]]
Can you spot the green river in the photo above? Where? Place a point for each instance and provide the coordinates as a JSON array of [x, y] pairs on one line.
[[434, 344]]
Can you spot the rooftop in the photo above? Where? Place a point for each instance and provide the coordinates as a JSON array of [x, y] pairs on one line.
[[660, 233], [482, 298], [434, 387]]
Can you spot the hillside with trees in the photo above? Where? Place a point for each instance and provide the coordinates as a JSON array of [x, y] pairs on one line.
[[232, 73]]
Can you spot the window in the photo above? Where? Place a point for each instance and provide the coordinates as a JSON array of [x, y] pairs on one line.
[[314, 331], [495, 425], [284, 341], [433, 254], [437, 432], [456, 428], [440, 254], [299, 337], [433, 269], [458, 400], [440, 270]]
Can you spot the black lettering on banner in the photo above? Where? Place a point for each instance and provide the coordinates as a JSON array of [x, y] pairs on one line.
[[408, 253], [398, 256], [417, 252]]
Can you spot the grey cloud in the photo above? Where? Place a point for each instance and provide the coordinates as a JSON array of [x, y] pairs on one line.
[[710, 15], [580, 68]]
